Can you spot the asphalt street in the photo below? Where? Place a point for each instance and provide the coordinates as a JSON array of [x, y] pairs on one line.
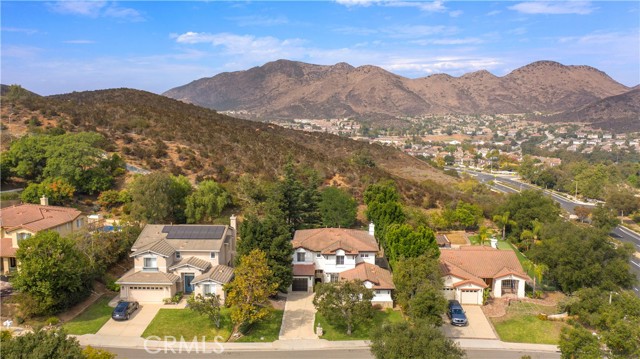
[[320, 354]]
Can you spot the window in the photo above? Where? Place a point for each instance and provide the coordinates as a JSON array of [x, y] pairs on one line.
[[378, 292], [79, 223], [333, 277], [300, 256], [213, 255], [318, 255], [209, 289], [339, 260], [22, 236], [178, 255], [364, 255], [150, 264], [12, 262]]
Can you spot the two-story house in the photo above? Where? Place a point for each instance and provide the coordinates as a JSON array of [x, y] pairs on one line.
[[180, 258], [25, 220], [330, 254]]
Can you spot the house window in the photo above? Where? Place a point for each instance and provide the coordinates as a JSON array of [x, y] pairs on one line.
[[178, 255], [318, 255], [333, 277], [150, 264], [213, 255], [378, 292], [339, 260], [364, 255], [22, 236], [300, 256], [12, 262], [79, 223], [209, 289]]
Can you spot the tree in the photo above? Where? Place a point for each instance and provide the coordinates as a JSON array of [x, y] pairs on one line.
[[579, 343], [159, 198], [622, 200], [272, 236], [582, 212], [527, 206], [603, 218], [402, 240], [206, 202], [418, 284], [345, 303], [248, 294], [59, 191], [413, 341], [208, 305], [538, 271], [43, 344], [337, 208], [53, 275], [298, 201], [483, 235], [504, 221], [383, 206]]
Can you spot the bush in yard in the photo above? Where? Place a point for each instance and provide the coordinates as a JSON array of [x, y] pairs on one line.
[[413, 341], [42, 345], [93, 353], [208, 305], [53, 321], [344, 303]]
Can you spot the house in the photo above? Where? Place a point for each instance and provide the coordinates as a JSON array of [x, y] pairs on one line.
[[24, 220], [467, 271], [330, 254], [180, 258]]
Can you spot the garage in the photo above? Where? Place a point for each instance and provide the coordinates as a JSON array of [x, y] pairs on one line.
[[148, 294], [300, 284], [469, 296]]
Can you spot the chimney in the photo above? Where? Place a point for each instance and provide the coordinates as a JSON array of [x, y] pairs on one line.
[[372, 229], [233, 222], [44, 201]]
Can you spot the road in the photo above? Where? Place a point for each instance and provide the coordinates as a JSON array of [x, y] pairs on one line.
[[321, 354], [508, 184]]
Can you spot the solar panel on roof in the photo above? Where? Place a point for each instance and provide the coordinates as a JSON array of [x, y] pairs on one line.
[[193, 232]]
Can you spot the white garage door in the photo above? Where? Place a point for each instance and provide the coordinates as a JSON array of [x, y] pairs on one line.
[[468, 296], [149, 294]]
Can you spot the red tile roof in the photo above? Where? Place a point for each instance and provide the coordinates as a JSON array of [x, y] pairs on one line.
[[304, 269], [6, 248], [476, 262], [381, 278], [34, 217], [329, 240]]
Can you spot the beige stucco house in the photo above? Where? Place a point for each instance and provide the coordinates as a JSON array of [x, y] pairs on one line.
[[25, 220], [180, 258], [467, 271]]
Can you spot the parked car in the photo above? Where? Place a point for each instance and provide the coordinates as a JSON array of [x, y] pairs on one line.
[[124, 309], [456, 314]]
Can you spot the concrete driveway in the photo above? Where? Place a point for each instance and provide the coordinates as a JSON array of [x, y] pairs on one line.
[[298, 318], [478, 328], [135, 326]]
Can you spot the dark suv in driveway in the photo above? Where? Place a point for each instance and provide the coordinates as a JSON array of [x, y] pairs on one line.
[[124, 310], [456, 314]]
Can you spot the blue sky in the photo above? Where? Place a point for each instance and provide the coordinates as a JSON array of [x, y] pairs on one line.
[[58, 47]]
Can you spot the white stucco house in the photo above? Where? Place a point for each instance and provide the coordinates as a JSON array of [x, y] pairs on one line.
[[180, 258], [330, 254], [467, 271]]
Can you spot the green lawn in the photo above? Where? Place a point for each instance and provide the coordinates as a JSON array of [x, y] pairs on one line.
[[267, 330], [92, 319], [188, 324], [521, 325], [360, 332]]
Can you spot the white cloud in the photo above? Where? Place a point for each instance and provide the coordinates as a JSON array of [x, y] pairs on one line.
[[352, 30], [20, 52], [493, 13], [455, 13], [79, 42], [446, 41], [554, 8], [19, 29], [518, 31], [95, 9], [426, 6], [455, 65], [416, 31], [267, 47], [256, 20]]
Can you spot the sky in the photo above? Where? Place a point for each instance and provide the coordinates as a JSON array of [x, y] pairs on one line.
[[54, 47]]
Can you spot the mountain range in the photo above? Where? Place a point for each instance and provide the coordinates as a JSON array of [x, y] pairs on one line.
[[288, 89]]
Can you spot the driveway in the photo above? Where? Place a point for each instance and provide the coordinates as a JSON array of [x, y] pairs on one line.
[[298, 318], [135, 326], [478, 328]]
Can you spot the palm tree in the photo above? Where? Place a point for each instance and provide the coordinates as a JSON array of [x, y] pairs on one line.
[[527, 237], [538, 271], [483, 234], [503, 220]]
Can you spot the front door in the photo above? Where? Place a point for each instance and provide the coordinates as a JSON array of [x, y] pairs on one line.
[[188, 287]]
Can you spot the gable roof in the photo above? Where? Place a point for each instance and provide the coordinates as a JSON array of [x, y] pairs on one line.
[[160, 247], [450, 269], [381, 278], [329, 240], [6, 248], [143, 277], [206, 238], [480, 262], [307, 270], [194, 262], [35, 217], [220, 273]]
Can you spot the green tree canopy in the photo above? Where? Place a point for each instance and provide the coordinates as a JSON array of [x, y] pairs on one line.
[[53, 275], [297, 197], [159, 197], [337, 208], [59, 191], [579, 343], [43, 344], [403, 241], [383, 206], [527, 206], [418, 284], [344, 303], [604, 218], [413, 341], [206, 202]]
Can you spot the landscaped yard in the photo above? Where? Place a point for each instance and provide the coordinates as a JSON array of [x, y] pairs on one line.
[[522, 325], [359, 332], [266, 330], [92, 319], [188, 324]]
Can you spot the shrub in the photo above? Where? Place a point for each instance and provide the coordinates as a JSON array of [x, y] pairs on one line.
[[53, 321]]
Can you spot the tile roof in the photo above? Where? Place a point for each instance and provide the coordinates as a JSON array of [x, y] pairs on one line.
[[450, 269], [159, 247], [195, 262], [35, 217], [328, 240], [304, 269], [220, 273], [143, 277], [152, 233], [381, 278], [6, 248], [481, 262]]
